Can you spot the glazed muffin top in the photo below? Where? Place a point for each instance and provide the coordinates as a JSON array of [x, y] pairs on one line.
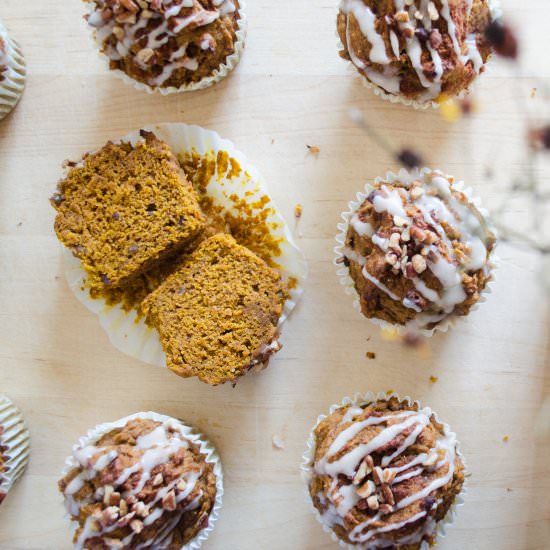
[[144, 485], [165, 43], [418, 250], [384, 474], [418, 49]]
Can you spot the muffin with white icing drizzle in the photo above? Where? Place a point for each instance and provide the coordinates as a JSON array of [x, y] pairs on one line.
[[169, 44], [419, 50], [140, 483], [384, 473], [418, 250]]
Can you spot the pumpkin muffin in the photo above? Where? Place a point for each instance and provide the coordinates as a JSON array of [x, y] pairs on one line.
[[124, 209], [218, 315], [166, 44], [144, 484], [416, 50], [418, 251], [384, 473]]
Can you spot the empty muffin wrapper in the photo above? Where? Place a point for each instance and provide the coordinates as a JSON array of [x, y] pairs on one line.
[[308, 459], [347, 282], [496, 11], [206, 448], [14, 445], [130, 334], [219, 74], [13, 84]]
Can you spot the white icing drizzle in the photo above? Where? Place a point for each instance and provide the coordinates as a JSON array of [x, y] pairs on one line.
[[437, 204], [158, 447], [385, 75], [176, 16], [342, 495]]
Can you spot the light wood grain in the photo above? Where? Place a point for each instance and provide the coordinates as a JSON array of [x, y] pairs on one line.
[[290, 90]]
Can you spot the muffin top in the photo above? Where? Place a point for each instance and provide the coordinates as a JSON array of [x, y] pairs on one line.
[[144, 485], [418, 250], [165, 43], [418, 49], [384, 474]]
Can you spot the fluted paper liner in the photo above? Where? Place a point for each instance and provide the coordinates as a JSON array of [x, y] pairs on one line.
[[15, 440], [11, 88], [206, 448], [133, 336], [496, 12], [349, 286], [308, 459], [219, 74]]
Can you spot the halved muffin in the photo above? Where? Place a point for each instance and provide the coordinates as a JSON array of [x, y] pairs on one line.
[[125, 208], [218, 315]]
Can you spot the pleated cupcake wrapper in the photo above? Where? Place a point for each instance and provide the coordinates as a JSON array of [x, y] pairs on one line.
[[15, 437], [308, 459], [206, 448], [219, 74], [133, 336], [496, 11], [349, 286], [11, 88]]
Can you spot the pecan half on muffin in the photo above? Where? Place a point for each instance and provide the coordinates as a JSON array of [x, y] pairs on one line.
[[166, 44], [416, 50], [418, 251], [144, 484], [384, 473]]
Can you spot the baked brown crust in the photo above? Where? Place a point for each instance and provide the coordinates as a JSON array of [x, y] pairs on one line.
[[395, 262], [217, 315], [448, 61], [124, 209], [362, 499], [166, 44], [113, 513]]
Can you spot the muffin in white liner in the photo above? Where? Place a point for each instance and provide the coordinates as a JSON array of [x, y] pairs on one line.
[[14, 446], [439, 309], [163, 443], [344, 499], [355, 66], [99, 33], [227, 189], [12, 73]]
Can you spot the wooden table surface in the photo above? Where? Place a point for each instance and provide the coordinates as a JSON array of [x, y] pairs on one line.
[[291, 89]]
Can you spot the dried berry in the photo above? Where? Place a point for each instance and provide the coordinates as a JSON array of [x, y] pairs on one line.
[[503, 39], [409, 158]]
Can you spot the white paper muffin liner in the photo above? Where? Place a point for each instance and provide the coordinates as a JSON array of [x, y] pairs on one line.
[[133, 336], [15, 437], [206, 448], [308, 459], [347, 282], [11, 88], [219, 74], [496, 11]]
